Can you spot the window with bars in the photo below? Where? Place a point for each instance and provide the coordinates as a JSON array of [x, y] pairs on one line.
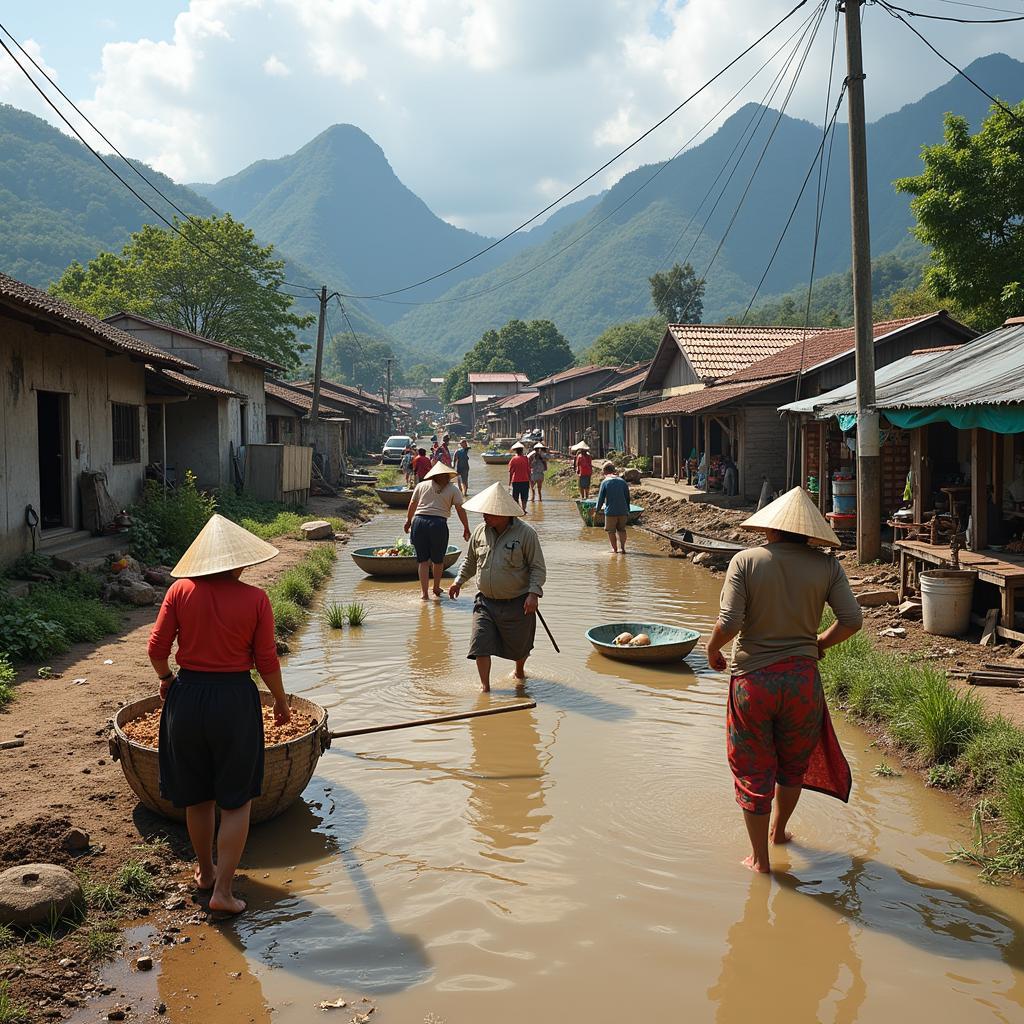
[[125, 419]]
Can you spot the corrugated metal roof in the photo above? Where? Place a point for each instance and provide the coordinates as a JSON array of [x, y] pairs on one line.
[[42, 304], [700, 401], [558, 410], [573, 371], [247, 356], [480, 399], [630, 383], [986, 371], [516, 400]]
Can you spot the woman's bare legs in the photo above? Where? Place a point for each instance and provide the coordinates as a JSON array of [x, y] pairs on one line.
[[234, 830], [201, 820]]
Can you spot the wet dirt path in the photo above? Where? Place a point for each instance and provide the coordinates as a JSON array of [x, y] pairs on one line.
[[581, 861]]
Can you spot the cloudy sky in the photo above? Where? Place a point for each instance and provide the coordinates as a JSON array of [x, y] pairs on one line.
[[485, 108]]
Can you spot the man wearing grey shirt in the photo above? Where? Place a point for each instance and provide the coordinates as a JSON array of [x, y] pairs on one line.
[[506, 555]]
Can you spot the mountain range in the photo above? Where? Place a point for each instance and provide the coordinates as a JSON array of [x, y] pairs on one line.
[[338, 213]]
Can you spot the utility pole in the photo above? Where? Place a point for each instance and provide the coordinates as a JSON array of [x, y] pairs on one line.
[[314, 412], [869, 496], [387, 377]]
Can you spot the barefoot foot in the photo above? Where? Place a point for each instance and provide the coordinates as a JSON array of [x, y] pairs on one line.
[[753, 865], [204, 882], [778, 838], [226, 904]]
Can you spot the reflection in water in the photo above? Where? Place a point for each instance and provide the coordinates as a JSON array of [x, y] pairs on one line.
[[506, 782], [429, 644], [778, 968]]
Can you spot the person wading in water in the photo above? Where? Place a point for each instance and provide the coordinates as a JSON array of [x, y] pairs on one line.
[[519, 475], [780, 736], [427, 523], [506, 553], [211, 725]]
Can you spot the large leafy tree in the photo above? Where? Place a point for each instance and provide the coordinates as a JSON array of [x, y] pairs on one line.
[[629, 342], [361, 361], [213, 279], [969, 204], [678, 295], [536, 348]]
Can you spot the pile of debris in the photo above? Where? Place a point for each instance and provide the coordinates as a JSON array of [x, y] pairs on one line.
[[671, 515], [129, 582]]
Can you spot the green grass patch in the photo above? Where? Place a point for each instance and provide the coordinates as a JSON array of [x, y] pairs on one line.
[[11, 1012], [101, 941], [389, 476], [6, 682], [334, 613], [8, 937], [355, 613], [291, 594]]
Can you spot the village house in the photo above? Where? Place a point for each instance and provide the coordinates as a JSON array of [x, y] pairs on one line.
[[221, 419], [612, 403], [563, 413], [507, 416], [72, 406], [484, 388], [690, 359]]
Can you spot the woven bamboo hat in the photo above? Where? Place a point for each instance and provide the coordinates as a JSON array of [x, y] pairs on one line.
[[539, 447], [580, 446], [519, 445], [222, 545], [794, 512], [495, 501], [440, 469]]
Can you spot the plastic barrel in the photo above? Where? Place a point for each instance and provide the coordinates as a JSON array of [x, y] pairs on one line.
[[946, 596], [844, 487], [844, 503]]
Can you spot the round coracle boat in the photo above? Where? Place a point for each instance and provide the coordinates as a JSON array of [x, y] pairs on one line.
[[668, 643], [587, 508], [287, 767], [493, 458], [395, 565], [394, 497]]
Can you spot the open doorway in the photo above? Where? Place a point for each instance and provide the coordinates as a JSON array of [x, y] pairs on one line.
[[52, 413]]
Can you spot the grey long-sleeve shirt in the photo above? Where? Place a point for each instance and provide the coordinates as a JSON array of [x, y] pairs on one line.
[[774, 595], [510, 564]]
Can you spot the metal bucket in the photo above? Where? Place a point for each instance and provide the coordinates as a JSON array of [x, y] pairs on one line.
[[946, 596]]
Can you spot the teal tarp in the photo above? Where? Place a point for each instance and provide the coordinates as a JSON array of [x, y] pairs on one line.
[[847, 421], [998, 419]]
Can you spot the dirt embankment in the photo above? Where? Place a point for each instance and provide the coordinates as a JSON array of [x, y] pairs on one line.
[[64, 777]]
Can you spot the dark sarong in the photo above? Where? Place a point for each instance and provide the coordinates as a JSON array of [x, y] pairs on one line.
[[211, 740], [779, 731], [501, 629]]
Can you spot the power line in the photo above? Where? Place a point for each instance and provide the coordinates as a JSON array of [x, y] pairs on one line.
[[978, 7], [593, 174], [959, 21], [963, 74]]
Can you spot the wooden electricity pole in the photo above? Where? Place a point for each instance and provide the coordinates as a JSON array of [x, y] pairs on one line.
[[869, 497], [387, 370], [314, 412]]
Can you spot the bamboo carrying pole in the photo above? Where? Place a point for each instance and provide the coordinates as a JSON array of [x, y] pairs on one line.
[[548, 631], [366, 730]]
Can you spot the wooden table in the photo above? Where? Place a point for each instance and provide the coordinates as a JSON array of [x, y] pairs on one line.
[[1005, 571], [951, 492]]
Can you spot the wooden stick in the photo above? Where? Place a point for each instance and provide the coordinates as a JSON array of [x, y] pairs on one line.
[[525, 706], [548, 631], [10, 744]]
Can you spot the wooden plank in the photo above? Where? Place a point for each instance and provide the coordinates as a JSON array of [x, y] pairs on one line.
[[988, 632], [980, 464], [1010, 634]]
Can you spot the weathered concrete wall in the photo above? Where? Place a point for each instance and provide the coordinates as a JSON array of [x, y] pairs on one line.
[[764, 449], [212, 361], [248, 380], [92, 379]]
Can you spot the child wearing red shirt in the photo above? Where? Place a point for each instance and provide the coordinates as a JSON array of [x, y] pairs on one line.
[[421, 465]]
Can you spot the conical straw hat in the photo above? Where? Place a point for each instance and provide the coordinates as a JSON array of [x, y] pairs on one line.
[[222, 545], [538, 445], [440, 469], [580, 446], [519, 445], [495, 501], [794, 512]]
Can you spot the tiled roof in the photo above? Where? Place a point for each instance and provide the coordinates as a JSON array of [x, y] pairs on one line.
[[821, 347], [296, 399], [248, 357], [631, 383], [573, 371], [17, 293], [705, 398], [498, 378], [299, 396], [344, 394], [516, 400], [480, 399], [719, 350], [198, 387], [558, 410]]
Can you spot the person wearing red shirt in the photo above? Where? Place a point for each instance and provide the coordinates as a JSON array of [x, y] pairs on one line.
[[421, 465], [211, 725], [519, 474], [584, 466]]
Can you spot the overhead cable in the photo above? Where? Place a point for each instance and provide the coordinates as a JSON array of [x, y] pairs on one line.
[[959, 21]]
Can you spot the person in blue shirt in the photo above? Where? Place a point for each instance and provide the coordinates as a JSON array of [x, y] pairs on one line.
[[613, 497]]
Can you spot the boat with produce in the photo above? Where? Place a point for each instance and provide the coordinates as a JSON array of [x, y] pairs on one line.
[[495, 458], [397, 560], [587, 508], [395, 497], [650, 642]]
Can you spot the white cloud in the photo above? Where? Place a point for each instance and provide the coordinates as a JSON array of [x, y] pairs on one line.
[[475, 102], [275, 67]]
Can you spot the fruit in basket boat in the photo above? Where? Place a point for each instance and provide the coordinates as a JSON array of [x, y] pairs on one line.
[[640, 640], [623, 639]]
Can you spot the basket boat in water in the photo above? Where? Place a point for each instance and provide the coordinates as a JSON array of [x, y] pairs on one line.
[[394, 497], [668, 643], [587, 508], [496, 458], [395, 565], [287, 767]]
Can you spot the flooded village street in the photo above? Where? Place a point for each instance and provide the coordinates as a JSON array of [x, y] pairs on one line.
[[580, 861]]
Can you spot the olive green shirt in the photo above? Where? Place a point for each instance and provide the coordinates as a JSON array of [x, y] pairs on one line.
[[775, 595], [510, 564]]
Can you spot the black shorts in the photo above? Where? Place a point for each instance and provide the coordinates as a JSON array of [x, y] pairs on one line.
[[464, 477], [501, 629], [429, 536], [211, 740], [584, 482], [521, 491]]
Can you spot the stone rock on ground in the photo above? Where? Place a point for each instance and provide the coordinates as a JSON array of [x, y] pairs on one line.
[[131, 589], [75, 840], [35, 893], [317, 529], [875, 598], [631, 476], [158, 577], [708, 559]]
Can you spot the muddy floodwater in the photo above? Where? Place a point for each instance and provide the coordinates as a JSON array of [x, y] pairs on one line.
[[581, 862]]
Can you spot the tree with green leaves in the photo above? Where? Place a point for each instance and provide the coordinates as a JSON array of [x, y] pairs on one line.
[[361, 361], [625, 343], [232, 295], [678, 295], [536, 348], [969, 204]]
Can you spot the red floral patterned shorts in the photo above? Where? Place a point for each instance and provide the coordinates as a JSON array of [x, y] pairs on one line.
[[773, 723]]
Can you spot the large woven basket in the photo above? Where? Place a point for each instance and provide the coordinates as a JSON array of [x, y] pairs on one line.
[[287, 767]]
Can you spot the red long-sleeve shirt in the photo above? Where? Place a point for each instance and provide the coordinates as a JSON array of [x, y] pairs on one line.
[[519, 470], [222, 625]]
